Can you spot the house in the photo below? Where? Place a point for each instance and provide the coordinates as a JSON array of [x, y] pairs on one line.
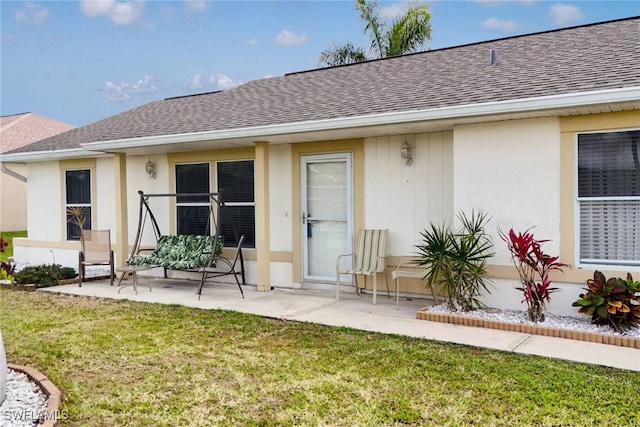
[[540, 130], [19, 130]]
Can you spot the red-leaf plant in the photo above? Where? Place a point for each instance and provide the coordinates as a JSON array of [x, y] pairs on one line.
[[533, 266]]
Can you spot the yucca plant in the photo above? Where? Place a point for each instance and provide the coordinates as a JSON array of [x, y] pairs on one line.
[[614, 302], [533, 267], [456, 261]]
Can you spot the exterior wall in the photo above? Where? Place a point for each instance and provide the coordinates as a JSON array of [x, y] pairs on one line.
[[13, 194], [46, 241], [139, 180], [281, 215], [407, 198], [511, 171]]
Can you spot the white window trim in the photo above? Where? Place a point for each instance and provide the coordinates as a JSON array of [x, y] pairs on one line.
[[611, 265], [81, 205]]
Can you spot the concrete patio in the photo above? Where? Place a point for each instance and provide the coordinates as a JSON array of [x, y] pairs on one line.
[[356, 311]]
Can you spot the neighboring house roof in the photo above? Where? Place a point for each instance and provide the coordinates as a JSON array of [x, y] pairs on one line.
[[19, 130], [580, 59]]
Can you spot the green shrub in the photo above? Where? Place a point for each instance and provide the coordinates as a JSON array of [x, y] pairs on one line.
[[44, 275], [614, 302], [456, 261]]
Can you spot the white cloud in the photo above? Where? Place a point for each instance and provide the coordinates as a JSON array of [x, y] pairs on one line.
[[394, 11], [253, 42], [93, 8], [124, 91], [496, 24], [289, 38], [565, 14], [32, 14], [120, 13], [220, 81], [6, 36], [196, 82], [193, 6]]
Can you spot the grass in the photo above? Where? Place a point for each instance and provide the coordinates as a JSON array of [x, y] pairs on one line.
[[8, 236], [137, 364]]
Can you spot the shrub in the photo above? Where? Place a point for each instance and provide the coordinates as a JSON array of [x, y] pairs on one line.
[[456, 261], [614, 302], [533, 267], [44, 275]]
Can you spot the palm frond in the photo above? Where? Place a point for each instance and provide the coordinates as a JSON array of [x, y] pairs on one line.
[[342, 54], [410, 32]]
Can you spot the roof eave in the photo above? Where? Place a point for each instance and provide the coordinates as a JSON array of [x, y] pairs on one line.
[[463, 111], [41, 156]]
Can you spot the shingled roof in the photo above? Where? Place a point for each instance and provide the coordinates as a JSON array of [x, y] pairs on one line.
[[19, 130], [579, 59]]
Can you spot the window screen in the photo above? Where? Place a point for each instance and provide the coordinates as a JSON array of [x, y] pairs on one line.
[[609, 197], [192, 212], [236, 186]]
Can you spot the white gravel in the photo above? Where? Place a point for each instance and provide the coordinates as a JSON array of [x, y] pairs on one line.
[[24, 404], [551, 320]]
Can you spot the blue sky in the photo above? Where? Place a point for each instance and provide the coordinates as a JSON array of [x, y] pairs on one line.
[[81, 61]]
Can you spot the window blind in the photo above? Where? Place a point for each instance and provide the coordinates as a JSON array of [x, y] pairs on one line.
[[609, 198]]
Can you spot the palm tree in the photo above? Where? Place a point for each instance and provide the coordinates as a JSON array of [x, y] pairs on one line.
[[407, 34]]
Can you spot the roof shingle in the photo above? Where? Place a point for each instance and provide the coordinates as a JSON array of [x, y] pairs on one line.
[[586, 58]]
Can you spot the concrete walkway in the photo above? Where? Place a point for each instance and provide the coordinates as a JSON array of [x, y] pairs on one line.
[[358, 312]]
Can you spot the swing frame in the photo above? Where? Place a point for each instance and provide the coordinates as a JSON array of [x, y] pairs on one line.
[[216, 206]]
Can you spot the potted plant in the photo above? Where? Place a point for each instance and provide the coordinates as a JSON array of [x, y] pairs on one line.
[[455, 261]]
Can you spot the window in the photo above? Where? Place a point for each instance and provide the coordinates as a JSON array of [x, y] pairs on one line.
[[78, 202], [192, 212], [236, 186], [609, 198]]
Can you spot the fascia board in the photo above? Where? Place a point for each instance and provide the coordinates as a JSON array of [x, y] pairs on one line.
[[41, 156]]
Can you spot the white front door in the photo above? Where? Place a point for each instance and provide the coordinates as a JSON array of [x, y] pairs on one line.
[[327, 213]]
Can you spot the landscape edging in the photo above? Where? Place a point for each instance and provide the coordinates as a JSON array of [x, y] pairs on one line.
[[54, 395], [619, 340]]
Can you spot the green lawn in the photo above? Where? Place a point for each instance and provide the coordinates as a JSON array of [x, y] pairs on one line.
[[8, 236], [137, 364]]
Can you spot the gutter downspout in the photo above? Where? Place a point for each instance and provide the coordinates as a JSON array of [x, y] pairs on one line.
[[14, 174]]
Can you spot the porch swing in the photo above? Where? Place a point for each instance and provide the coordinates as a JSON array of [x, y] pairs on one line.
[[196, 253]]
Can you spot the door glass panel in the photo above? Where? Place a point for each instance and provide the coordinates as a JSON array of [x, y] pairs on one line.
[[327, 190], [327, 240]]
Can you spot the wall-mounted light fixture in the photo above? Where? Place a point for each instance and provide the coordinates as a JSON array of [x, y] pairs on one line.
[[150, 167], [405, 151]]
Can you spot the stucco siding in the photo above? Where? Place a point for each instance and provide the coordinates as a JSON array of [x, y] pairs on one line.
[[105, 215], [280, 198], [44, 194], [510, 170], [138, 179], [13, 193]]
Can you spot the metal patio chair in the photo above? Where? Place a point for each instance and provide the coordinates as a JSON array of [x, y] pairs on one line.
[[369, 259], [95, 250]]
